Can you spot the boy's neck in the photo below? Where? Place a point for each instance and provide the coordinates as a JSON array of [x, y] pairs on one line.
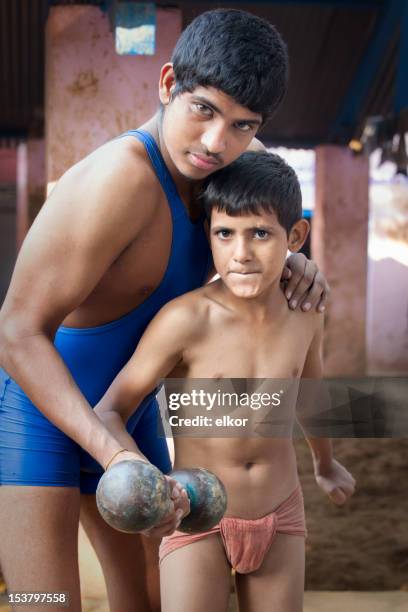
[[258, 309], [187, 189]]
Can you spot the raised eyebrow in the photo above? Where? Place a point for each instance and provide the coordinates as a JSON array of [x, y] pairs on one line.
[[217, 110]]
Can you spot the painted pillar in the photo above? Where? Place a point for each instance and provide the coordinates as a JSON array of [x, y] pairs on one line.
[[30, 184], [93, 94], [339, 246]]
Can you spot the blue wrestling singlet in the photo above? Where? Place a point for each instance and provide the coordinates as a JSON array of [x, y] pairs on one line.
[[32, 450]]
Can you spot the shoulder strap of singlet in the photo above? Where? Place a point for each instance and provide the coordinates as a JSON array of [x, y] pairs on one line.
[[162, 172]]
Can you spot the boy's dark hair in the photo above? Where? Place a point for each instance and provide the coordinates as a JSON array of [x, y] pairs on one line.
[[237, 52], [255, 182]]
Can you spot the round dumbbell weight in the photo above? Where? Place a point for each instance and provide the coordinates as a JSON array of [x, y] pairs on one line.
[[133, 496], [208, 499]]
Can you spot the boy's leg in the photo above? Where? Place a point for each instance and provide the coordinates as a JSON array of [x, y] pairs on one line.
[[39, 542], [196, 577], [278, 585], [130, 562]]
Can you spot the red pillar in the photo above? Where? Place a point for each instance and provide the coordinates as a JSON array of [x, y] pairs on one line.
[[339, 246]]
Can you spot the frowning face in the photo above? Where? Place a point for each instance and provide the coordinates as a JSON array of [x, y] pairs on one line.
[[249, 251]]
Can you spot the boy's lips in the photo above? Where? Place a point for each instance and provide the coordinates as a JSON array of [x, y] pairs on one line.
[[202, 161], [246, 273]]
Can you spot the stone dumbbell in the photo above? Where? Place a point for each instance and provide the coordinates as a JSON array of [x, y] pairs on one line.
[[133, 496], [208, 499]]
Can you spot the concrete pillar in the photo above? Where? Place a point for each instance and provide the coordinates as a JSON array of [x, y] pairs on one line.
[[30, 184], [93, 94], [339, 246]]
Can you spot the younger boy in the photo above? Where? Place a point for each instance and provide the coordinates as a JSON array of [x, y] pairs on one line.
[[237, 327]]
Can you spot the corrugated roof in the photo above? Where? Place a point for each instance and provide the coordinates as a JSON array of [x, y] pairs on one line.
[[326, 41]]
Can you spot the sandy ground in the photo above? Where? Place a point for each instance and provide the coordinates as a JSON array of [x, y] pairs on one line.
[[362, 546]]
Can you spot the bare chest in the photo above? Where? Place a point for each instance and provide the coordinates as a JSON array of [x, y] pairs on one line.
[[132, 277], [236, 351]]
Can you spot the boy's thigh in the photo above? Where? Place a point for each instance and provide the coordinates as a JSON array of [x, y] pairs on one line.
[[278, 585], [39, 535], [196, 577], [129, 561]]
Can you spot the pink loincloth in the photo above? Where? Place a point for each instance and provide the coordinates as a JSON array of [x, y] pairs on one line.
[[246, 542]]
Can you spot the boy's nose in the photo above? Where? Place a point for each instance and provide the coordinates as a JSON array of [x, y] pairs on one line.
[[242, 252], [214, 139]]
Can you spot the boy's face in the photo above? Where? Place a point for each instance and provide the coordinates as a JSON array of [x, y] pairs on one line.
[[204, 130], [249, 251]]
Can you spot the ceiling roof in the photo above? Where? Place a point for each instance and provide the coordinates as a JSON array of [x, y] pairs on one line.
[[343, 55]]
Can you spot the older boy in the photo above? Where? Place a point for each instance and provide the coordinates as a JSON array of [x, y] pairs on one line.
[[238, 326]]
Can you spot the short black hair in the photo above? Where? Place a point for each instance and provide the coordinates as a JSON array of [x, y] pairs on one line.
[[236, 52], [257, 181]]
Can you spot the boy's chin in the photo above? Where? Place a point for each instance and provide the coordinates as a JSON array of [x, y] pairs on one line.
[[244, 292]]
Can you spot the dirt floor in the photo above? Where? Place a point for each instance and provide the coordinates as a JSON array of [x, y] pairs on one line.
[[362, 546]]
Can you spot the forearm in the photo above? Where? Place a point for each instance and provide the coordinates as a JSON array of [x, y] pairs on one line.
[[114, 423], [33, 362], [322, 451]]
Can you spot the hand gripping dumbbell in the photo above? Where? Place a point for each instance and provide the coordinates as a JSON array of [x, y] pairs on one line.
[[133, 496]]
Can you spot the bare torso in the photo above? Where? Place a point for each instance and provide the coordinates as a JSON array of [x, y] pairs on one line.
[[258, 472]]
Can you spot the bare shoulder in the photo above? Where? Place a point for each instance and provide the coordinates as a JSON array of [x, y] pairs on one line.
[[113, 178], [311, 320], [189, 312], [97, 208], [256, 145], [315, 321]]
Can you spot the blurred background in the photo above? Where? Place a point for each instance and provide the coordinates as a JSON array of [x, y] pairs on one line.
[[74, 74]]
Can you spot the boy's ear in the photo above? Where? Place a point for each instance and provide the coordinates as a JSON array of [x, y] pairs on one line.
[[298, 235], [167, 83]]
